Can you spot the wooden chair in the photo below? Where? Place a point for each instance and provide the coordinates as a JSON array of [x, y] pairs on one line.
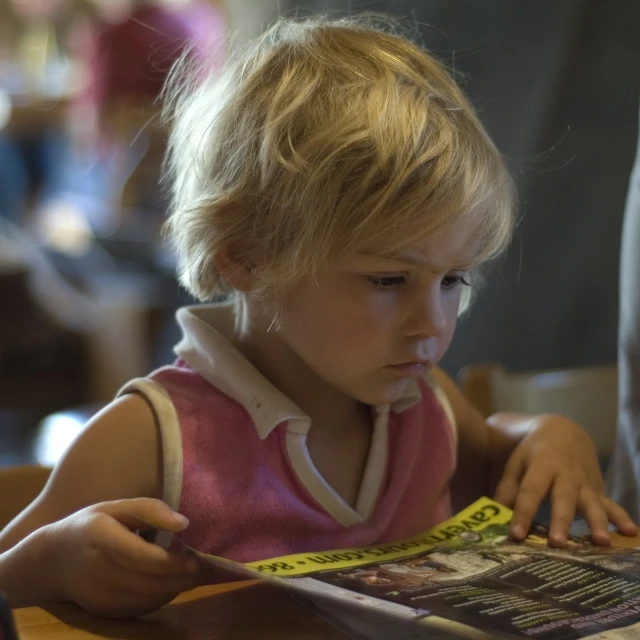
[[587, 395], [19, 485]]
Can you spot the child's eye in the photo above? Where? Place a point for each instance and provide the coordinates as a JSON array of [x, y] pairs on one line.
[[387, 282], [451, 282]]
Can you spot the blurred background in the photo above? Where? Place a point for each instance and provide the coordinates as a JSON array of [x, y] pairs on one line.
[[87, 289]]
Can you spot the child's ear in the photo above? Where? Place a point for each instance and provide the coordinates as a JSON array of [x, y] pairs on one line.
[[236, 270]]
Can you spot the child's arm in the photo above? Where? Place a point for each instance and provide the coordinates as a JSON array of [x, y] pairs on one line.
[[522, 459], [76, 541]]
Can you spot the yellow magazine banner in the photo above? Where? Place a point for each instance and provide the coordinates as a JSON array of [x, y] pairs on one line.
[[477, 516]]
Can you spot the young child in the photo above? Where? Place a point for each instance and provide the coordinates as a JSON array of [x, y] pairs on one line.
[[336, 182]]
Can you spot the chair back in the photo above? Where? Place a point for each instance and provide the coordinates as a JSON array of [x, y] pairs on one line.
[[588, 395]]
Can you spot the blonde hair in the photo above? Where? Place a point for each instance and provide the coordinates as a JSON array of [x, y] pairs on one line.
[[323, 138]]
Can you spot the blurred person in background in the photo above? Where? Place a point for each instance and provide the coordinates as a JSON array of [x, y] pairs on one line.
[[119, 55], [106, 61], [128, 56], [36, 75]]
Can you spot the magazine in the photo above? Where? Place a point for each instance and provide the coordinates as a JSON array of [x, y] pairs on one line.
[[467, 578]]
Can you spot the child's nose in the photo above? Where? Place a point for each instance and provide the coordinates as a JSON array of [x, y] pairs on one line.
[[426, 317]]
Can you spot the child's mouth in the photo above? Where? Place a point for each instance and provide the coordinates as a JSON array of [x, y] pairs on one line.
[[409, 368]]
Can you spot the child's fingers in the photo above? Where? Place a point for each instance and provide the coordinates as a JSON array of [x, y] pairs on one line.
[[564, 498], [619, 517], [144, 514], [592, 506], [132, 552], [114, 578], [153, 560], [533, 489], [507, 488]]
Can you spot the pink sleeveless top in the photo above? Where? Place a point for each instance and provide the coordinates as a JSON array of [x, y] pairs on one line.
[[236, 462]]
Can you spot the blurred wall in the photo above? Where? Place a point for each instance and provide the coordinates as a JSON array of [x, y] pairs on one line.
[[557, 85], [247, 18]]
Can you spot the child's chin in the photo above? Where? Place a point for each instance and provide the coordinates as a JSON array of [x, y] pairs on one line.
[[390, 394]]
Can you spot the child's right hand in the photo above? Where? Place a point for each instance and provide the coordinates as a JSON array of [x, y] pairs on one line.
[[106, 568]]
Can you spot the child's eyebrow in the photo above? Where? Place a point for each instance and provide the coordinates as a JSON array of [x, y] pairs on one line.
[[465, 264]]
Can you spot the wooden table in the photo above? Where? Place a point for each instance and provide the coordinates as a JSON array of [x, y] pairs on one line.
[[234, 611]]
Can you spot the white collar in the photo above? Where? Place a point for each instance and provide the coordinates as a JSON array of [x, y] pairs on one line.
[[206, 346]]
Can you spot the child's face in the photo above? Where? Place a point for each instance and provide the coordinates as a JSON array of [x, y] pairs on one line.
[[370, 326]]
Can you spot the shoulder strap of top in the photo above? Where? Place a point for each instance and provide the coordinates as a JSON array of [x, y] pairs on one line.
[[167, 419]]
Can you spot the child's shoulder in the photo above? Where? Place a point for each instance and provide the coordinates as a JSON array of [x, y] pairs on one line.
[[116, 456], [117, 453]]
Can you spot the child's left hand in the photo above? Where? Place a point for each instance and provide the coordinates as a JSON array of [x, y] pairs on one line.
[[558, 459]]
